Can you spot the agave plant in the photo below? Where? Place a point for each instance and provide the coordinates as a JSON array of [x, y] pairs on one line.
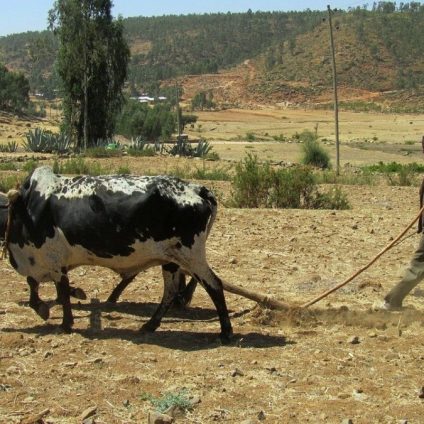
[[10, 147], [36, 141], [202, 149], [181, 148]]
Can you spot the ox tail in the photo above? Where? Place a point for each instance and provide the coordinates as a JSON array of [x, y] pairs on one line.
[[420, 220], [210, 199]]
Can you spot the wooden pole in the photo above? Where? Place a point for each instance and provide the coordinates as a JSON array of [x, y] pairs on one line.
[[389, 246], [336, 103], [261, 299]]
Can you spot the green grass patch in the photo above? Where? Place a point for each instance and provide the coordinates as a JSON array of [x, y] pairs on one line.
[[10, 181], [8, 166], [179, 399], [78, 166], [102, 152]]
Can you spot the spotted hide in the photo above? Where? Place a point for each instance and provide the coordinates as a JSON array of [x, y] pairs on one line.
[[124, 223], [184, 297]]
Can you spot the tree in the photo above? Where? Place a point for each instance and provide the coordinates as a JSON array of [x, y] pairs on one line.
[[14, 90], [92, 64]]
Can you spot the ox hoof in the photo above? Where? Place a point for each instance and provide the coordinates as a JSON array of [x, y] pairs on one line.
[[43, 311], [78, 294], [149, 327]]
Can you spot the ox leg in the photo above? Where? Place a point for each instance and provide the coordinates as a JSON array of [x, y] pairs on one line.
[[117, 291], [213, 286], [63, 293], [185, 293], [75, 292], [40, 307], [171, 278]]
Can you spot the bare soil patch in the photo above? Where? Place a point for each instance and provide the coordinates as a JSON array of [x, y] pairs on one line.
[[287, 367], [295, 367]]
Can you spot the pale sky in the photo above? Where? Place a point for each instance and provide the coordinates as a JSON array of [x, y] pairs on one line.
[[31, 15]]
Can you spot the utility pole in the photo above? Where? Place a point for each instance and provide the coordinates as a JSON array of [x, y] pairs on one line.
[[336, 103], [177, 106], [85, 129]]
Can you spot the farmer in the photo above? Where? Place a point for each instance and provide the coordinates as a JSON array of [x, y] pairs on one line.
[[414, 272]]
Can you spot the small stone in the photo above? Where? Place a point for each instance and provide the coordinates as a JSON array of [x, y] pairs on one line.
[[354, 226], [236, 372], [233, 261], [403, 422], [347, 421], [421, 394], [353, 340], [261, 415], [372, 334], [12, 370], [195, 400], [87, 413], [158, 418], [343, 395], [126, 403]]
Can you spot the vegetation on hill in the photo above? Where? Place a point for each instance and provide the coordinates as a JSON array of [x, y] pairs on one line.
[[14, 90], [381, 49]]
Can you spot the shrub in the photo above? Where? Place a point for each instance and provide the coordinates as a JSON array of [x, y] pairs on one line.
[[333, 199], [292, 188], [123, 170], [8, 182], [250, 137], [313, 153], [251, 183], [30, 166], [217, 174], [258, 185]]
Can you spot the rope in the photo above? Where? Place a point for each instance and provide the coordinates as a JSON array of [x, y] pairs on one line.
[[388, 247], [12, 196]]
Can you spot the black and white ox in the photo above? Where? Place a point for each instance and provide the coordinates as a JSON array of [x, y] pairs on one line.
[[184, 297], [124, 223]]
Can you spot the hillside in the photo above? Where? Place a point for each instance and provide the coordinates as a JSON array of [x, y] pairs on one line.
[[260, 58]]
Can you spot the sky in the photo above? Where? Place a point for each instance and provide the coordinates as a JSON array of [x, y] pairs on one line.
[[31, 15]]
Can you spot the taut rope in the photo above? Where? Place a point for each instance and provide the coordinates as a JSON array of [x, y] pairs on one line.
[[388, 247], [12, 196]]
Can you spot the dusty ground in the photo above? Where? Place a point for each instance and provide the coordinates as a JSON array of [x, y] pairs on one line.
[[287, 368], [297, 367]]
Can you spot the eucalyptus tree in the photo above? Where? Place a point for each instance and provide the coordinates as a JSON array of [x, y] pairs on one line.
[[92, 64]]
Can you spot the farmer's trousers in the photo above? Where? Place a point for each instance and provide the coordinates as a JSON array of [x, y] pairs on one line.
[[413, 275]]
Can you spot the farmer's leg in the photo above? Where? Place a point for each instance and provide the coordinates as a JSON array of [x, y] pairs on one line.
[[413, 275]]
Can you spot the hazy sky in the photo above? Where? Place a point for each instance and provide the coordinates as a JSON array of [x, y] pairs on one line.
[[31, 15]]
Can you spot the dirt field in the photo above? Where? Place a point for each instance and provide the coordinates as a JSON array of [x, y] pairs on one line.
[[337, 360]]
